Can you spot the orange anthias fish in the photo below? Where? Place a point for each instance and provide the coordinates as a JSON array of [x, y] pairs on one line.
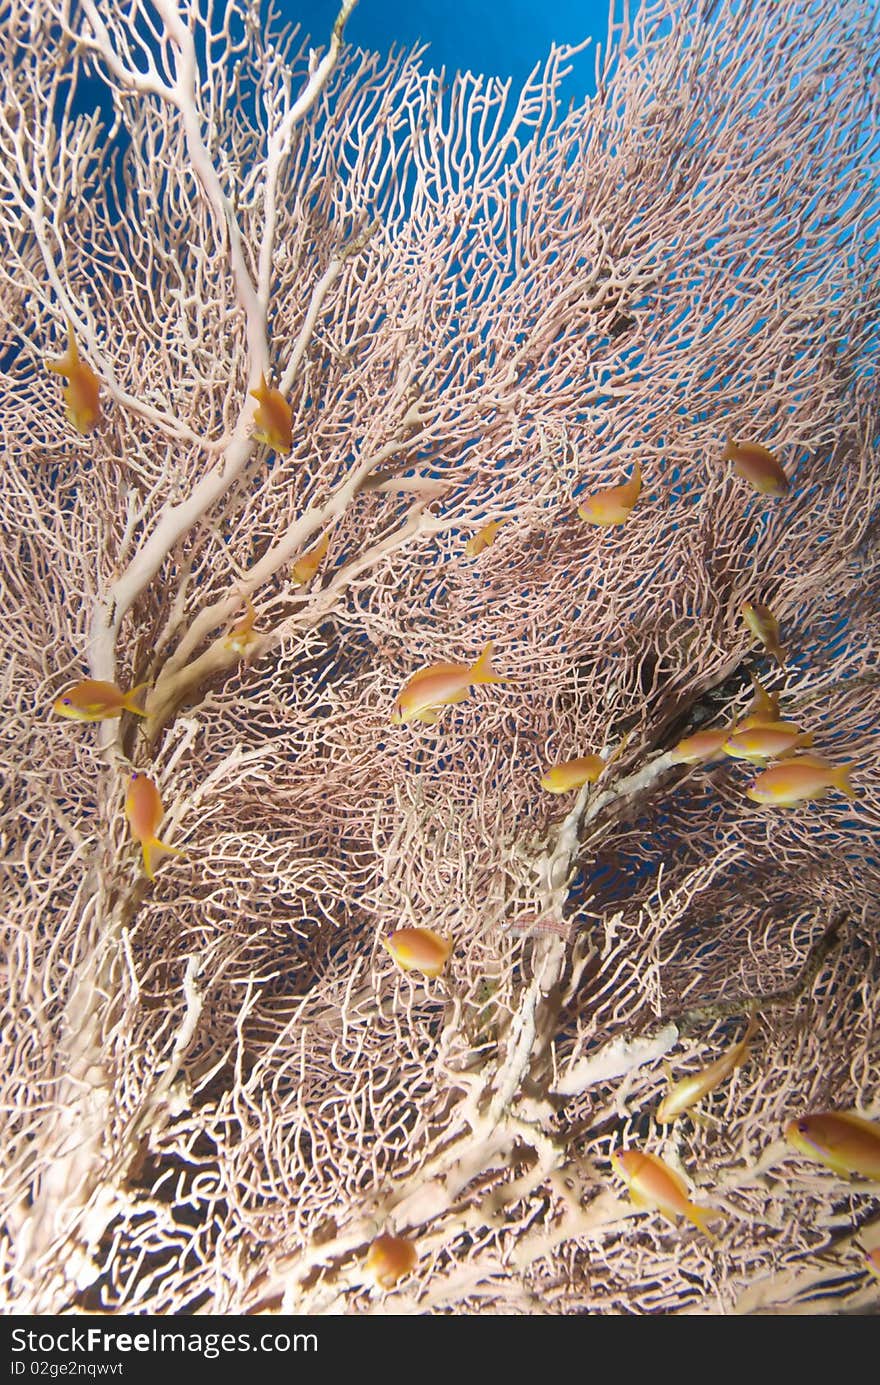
[[143, 808], [242, 636], [764, 708], [614, 504], [799, 780], [571, 774], [768, 741], [704, 745], [756, 465], [483, 538], [390, 1258], [305, 567], [441, 685], [274, 417], [94, 700], [690, 1090], [419, 949], [765, 627], [81, 391], [653, 1185], [845, 1142]]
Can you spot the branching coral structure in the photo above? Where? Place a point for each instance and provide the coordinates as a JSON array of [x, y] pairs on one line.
[[230, 1088]]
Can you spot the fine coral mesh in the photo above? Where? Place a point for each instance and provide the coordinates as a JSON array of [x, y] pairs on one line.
[[218, 1088]]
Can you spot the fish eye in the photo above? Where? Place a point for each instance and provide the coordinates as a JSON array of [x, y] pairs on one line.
[[133, 778], [802, 1127], [65, 701]]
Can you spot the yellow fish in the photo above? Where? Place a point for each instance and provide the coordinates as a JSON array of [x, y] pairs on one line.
[[242, 636], [764, 708], [799, 780], [81, 393], [571, 774], [614, 504], [418, 949], [274, 417], [389, 1259], [704, 745], [94, 700], [845, 1142], [690, 1090], [305, 567], [768, 741], [757, 466], [143, 808], [872, 1260], [441, 685], [483, 538], [653, 1185], [765, 627]]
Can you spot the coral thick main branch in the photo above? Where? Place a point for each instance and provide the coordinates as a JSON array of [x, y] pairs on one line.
[[219, 1090]]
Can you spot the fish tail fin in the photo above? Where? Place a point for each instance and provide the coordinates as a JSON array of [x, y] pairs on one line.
[[700, 1217], [635, 481], [841, 780], [806, 738], [129, 702], [482, 671], [153, 844], [171, 850], [729, 453]]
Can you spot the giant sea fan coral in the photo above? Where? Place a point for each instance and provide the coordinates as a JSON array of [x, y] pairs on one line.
[[217, 1088]]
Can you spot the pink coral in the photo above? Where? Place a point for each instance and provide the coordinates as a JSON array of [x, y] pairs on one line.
[[213, 1097]]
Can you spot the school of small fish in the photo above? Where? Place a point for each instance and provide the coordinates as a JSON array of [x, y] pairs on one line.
[[843, 1141]]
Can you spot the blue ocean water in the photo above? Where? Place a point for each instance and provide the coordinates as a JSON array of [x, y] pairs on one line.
[[500, 40]]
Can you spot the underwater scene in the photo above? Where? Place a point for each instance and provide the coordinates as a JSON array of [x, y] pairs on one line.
[[440, 784]]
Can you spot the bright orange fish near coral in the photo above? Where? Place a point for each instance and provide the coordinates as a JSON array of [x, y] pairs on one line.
[[845, 1142], [756, 465], [144, 811], [572, 774], [765, 627], [654, 1186], [94, 700], [801, 779], [81, 393], [418, 949], [764, 708], [615, 504], [242, 637], [483, 538], [769, 741], [441, 685], [304, 568], [389, 1259], [274, 417], [689, 1090], [702, 745]]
